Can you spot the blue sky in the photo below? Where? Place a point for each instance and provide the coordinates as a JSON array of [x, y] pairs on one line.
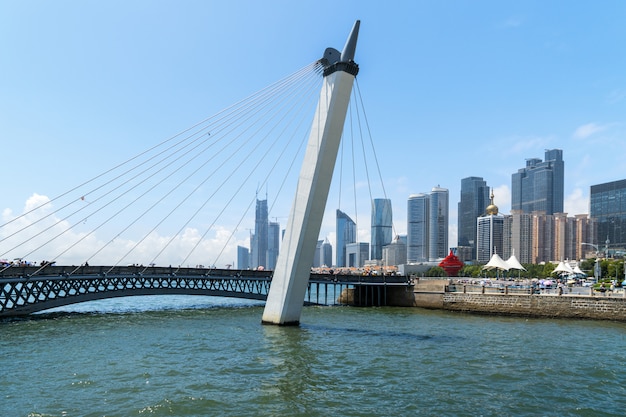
[[451, 89]]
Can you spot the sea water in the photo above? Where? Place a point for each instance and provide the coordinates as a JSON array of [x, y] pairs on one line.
[[204, 356]]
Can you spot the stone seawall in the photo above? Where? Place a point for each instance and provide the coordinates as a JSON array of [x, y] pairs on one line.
[[571, 306]]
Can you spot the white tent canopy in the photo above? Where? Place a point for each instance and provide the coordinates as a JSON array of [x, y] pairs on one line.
[[578, 271], [513, 263], [564, 268], [497, 263]]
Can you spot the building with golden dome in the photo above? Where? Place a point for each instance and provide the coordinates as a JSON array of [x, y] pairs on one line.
[[489, 233]]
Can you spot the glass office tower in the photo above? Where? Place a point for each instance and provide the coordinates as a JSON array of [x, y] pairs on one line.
[[418, 208], [345, 234], [474, 200], [438, 224], [608, 211], [273, 244], [243, 257], [260, 237], [381, 226], [539, 186]]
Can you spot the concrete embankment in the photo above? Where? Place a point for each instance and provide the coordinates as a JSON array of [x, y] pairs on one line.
[[435, 294], [566, 306], [599, 307]]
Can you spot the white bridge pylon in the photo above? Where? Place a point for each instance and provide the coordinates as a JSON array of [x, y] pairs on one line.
[[293, 267]]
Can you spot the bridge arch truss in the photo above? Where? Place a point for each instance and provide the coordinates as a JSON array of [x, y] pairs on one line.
[[27, 290], [22, 296]]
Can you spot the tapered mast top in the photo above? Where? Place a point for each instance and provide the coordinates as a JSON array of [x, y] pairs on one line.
[[334, 60], [349, 48]]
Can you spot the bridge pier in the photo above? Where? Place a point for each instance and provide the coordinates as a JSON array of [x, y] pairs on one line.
[[293, 267]]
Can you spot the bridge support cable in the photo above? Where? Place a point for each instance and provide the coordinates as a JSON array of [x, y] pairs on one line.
[[360, 104], [259, 165], [361, 160], [228, 160], [80, 195], [287, 175], [168, 161]]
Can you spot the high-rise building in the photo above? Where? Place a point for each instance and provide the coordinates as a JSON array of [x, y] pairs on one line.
[[346, 233], [273, 243], [395, 253], [418, 209], [608, 212], [326, 254], [585, 233], [542, 231], [317, 258], [518, 236], [243, 257], [356, 254], [489, 234], [427, 226], [474, 199], [259, 240], [539, 186], [381, 226], [564, 233], [438, 224]]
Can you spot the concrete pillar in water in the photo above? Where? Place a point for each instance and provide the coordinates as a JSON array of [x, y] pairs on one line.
[[293, 267]]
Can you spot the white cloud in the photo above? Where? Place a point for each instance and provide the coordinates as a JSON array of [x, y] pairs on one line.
[[589, 129], [576, 203], [40, 235], [453, 233]]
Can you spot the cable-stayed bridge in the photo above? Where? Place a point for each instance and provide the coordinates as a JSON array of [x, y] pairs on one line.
[[22, 293], [188, 198]]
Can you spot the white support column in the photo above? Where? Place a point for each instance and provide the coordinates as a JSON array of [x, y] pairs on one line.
[[293, 267]]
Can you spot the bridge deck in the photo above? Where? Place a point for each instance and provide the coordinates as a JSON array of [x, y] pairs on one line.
[[26, 289]]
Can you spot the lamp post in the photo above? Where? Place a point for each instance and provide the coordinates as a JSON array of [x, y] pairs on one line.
[[596, 269]]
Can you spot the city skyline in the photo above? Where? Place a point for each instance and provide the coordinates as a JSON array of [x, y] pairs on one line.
[[482, 88]]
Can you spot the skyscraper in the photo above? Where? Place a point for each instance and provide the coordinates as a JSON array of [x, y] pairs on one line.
[[438, 224], [323, 254], [518, 231], [608, 211], [243, 257], [273, 242], [539, 186], [326, 256], [260, 238], [317, 257], [418, 208], [346, 233], [381, 226], [474, 199]]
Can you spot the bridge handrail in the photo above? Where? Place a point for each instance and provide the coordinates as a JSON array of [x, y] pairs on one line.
[[27, 272], [66, 270]]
